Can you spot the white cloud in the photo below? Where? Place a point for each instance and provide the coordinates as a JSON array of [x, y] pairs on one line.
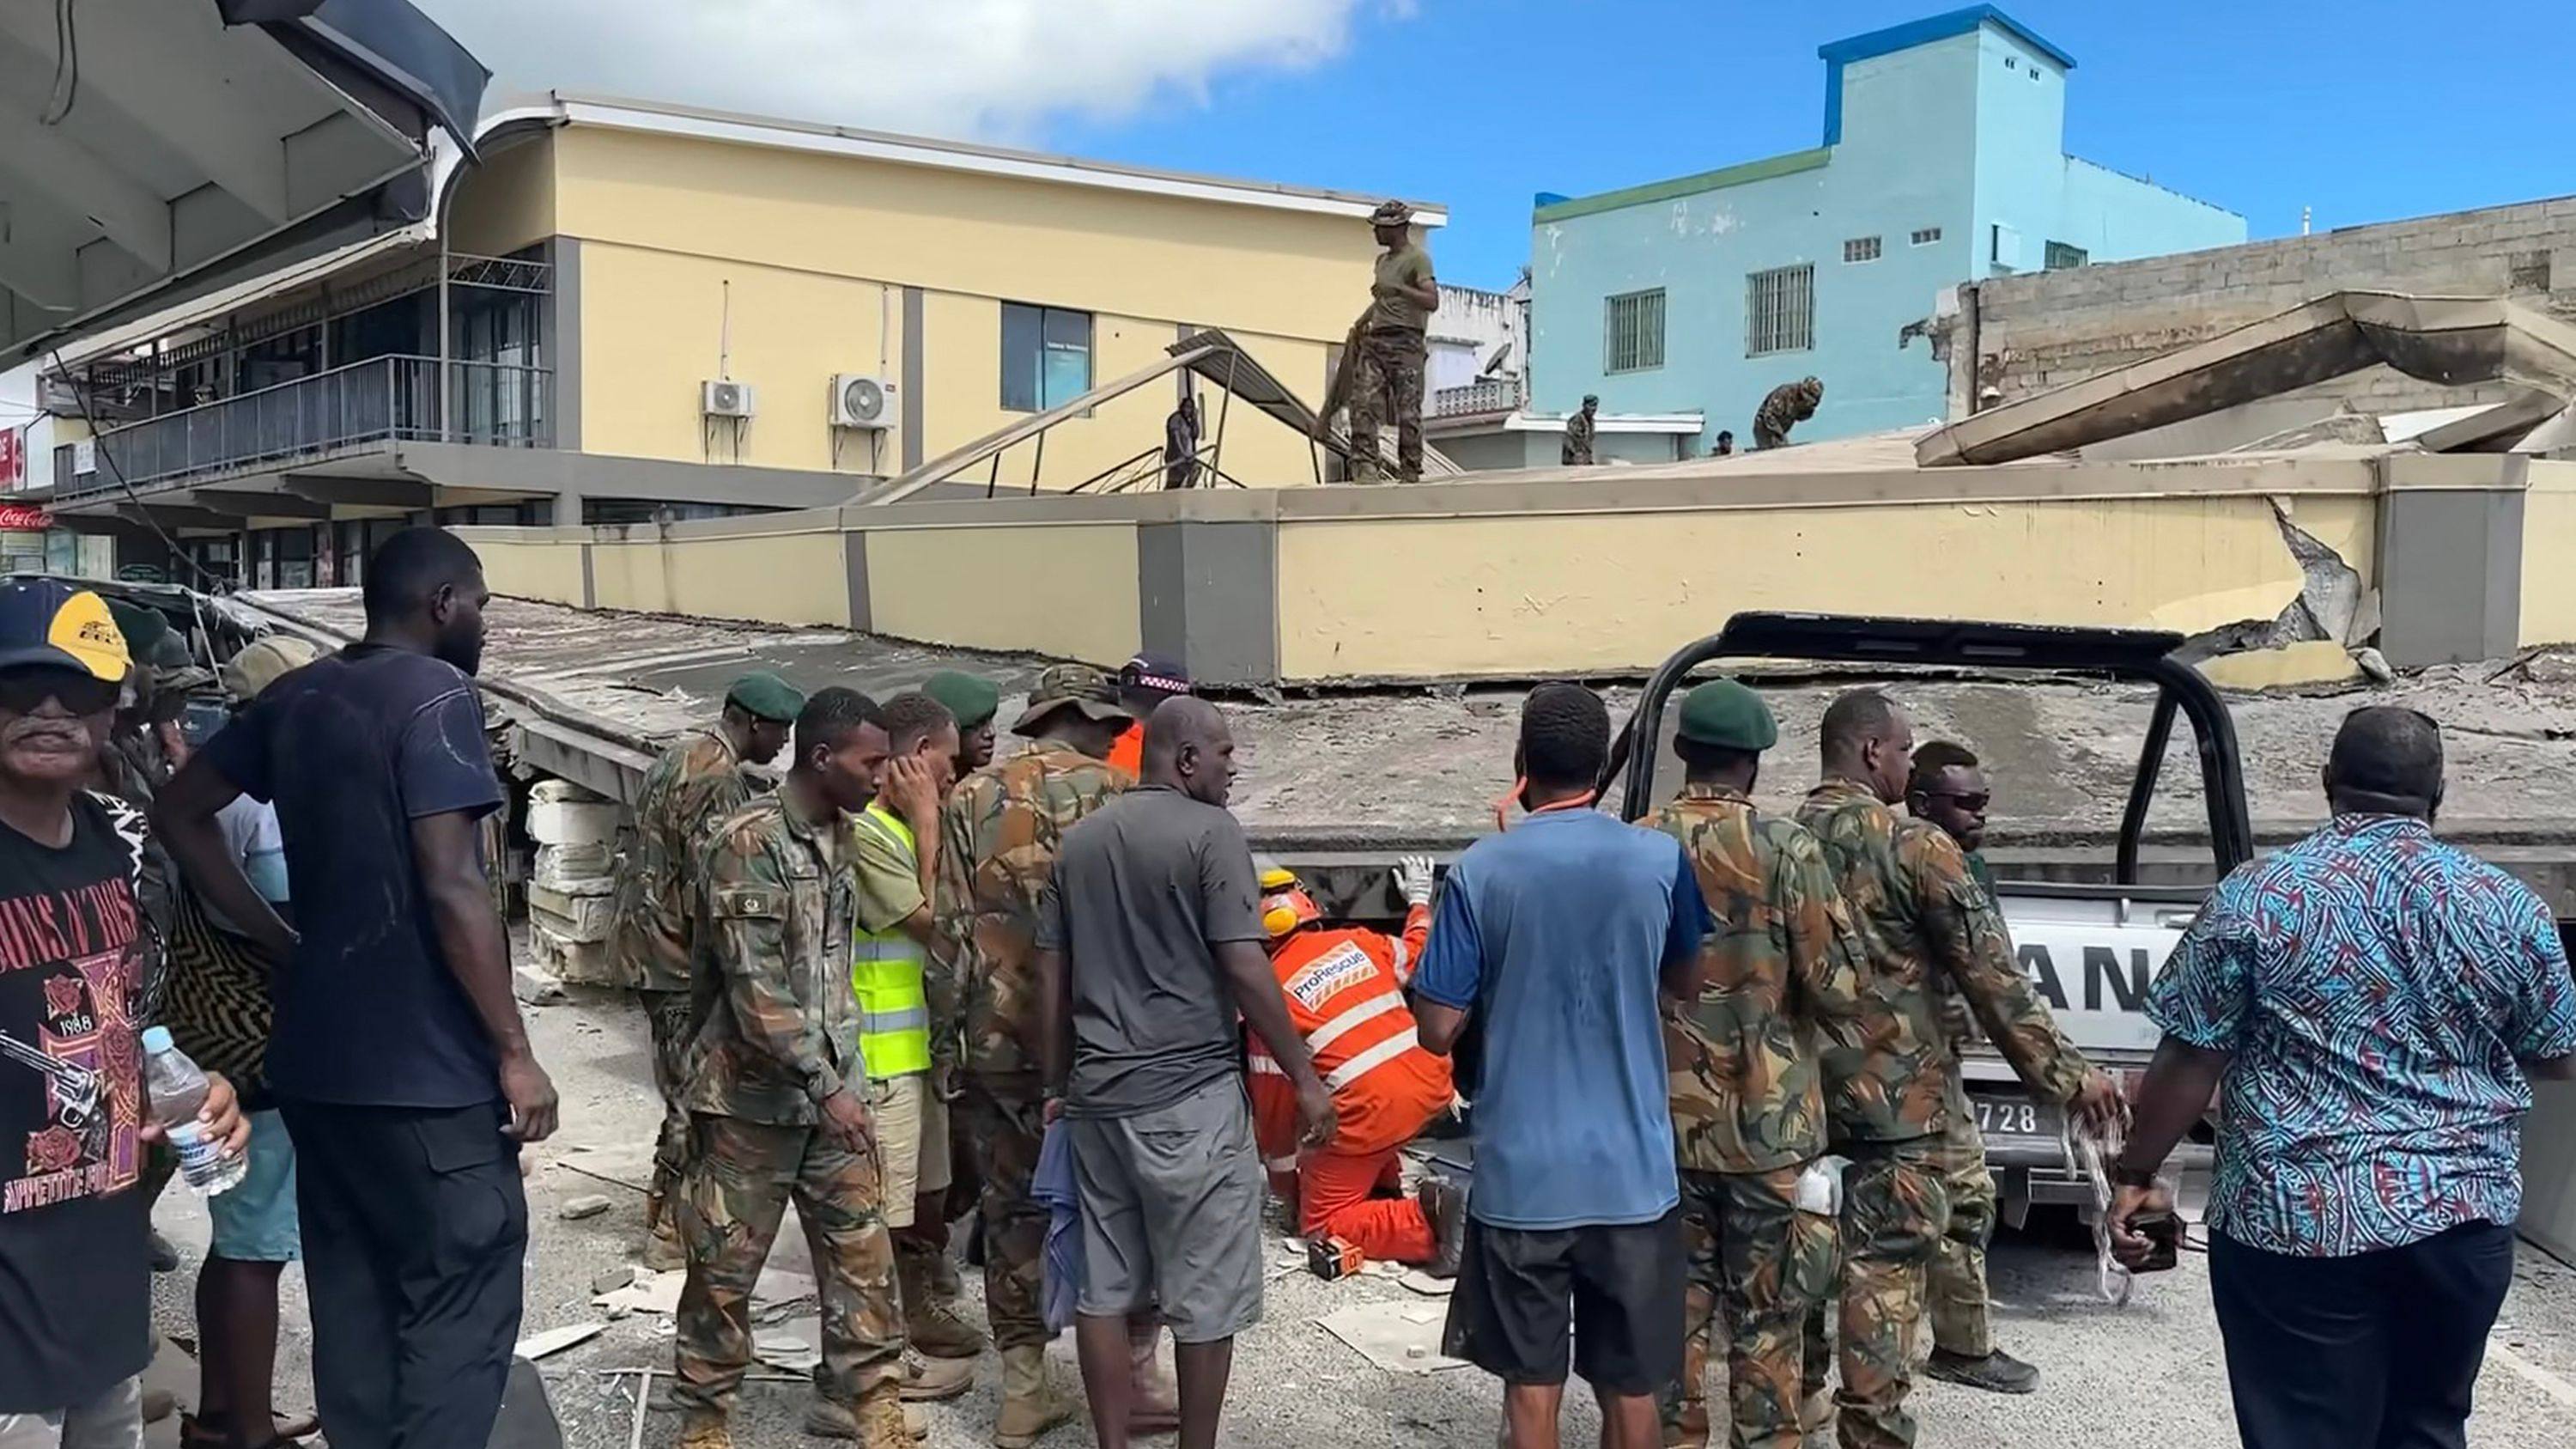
[[966, 68]]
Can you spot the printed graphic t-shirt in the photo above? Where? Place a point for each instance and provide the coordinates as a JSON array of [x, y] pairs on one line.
[[75, 1276]]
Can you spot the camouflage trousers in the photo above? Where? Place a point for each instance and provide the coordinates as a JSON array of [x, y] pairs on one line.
[[740, 1178], [1008, 1125], [1387, 383], [1896, 1208], [666, 1013], [1764, 1269], [1958, 1275]]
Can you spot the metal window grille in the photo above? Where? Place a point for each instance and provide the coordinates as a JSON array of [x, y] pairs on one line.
[[2062, 255], [1632, 332], [1925, 236], [1780, 310], [1861, 249]]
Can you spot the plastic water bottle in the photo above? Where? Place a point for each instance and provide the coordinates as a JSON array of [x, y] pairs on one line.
[[178, 1092]]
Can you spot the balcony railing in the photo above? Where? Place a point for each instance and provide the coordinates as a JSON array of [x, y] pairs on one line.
[[496, 404], [1492, 395]]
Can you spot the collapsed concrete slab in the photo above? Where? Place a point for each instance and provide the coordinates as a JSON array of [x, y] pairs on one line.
[[2452, 340]]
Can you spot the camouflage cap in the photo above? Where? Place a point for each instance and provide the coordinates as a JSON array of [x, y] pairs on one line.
[[973, 701], [1391, 213], [264, 661], [764, 695], [1728, 715], [1072, 686]]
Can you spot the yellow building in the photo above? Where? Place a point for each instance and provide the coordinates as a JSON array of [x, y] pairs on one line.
[[652, 311]]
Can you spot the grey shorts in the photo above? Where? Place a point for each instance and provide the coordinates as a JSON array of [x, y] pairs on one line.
[[1171, 1213]]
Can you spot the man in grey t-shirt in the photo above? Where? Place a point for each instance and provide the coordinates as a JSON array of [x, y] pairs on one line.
[[1149, 942]]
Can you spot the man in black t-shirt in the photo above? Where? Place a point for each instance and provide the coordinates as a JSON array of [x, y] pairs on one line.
[[397, 1057], [75, 1284]]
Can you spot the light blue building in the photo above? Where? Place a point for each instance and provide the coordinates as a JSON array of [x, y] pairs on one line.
[[1943, 161]]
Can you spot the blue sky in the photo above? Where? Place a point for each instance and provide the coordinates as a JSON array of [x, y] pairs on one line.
[[2365, 110]]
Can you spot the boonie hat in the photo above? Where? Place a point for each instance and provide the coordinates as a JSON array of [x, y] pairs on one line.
[[1728, 715], [1391, 213], [973, 701], [47, 621], [764, 695], [1072, 686], [264, 661]]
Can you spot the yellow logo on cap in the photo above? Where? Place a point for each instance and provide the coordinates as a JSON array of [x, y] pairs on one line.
[[85, 630]]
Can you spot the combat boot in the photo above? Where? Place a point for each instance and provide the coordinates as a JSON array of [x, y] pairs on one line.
[[703, 1431], [932, 1325], [1030, 1404], [880, 1420], [928, 1380], [1445, 1204]]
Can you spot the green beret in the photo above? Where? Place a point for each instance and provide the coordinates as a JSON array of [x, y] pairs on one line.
[[142, 625], [973, 701], [764, 695], [1728, 715]]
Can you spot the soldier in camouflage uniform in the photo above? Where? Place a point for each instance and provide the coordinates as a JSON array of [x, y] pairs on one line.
[[777, 1095], [1787, 405], [1391, 350], [694, 784], [1928, 930], [1750, 1092], [998, 837], [1949, 792]]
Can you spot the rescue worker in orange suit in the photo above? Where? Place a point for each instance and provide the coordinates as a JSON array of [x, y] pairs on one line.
[[1145, 682], [1345, 991]]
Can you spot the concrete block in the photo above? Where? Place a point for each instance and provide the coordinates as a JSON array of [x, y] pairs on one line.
[[585, 962], [575, 870], [574, 822], [2315, 661], [573, 917]]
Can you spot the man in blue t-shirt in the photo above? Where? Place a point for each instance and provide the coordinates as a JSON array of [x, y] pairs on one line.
[[397, 1058], [1558, 936]]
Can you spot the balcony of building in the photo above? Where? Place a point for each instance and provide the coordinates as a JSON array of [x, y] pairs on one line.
[[349, 367]]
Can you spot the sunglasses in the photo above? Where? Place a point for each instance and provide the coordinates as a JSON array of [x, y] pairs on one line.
[[24, 691], [1974, 804]]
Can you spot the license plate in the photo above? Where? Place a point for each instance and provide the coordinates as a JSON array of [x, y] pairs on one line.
[[2012, 1116]]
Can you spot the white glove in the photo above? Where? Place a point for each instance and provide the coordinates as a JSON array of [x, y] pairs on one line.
[[1413, 877]]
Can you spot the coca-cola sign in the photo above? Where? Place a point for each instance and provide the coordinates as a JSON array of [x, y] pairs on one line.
[[24, 518]]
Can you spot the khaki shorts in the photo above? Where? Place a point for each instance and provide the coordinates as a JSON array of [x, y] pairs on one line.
[[912, 1142]]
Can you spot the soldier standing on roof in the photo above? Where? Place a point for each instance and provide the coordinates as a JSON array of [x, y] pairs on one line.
[[778, 1094], [1927, 929], [1389, 350], [1751, 1088], [1787, 405], [1577, 452], [999, 833], [695, 783]]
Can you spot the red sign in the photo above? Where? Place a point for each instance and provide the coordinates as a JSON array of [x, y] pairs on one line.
[[13, 459], [24, 518]]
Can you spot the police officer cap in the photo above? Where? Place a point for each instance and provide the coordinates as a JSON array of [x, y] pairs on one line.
[[974, 701], [764, 695], [1728, 715]]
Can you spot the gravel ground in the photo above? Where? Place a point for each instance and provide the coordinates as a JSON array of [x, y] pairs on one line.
[[2149, 1373]]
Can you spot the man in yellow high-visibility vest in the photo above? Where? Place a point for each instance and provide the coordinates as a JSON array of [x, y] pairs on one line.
[[894, 860]]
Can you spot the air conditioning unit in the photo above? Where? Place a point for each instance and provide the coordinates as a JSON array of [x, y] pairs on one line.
[[726, 399], [861, 401]]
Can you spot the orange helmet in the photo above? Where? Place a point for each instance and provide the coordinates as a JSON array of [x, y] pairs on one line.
[[1285, 906]]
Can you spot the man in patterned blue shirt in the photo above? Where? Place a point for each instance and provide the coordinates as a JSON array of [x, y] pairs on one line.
[[2373, 1003]]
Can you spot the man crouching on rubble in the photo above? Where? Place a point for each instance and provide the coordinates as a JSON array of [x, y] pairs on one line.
[[1345, 991]]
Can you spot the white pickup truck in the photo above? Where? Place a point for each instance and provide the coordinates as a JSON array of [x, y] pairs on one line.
[[2089, 948]]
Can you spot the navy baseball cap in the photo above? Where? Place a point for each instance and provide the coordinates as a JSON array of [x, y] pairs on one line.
[[49, 622]]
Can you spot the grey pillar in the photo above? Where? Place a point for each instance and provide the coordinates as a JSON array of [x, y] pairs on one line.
[[2450, 562], [1207, 593]]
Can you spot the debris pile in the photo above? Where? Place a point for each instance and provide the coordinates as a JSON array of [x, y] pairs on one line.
[[571, 892]]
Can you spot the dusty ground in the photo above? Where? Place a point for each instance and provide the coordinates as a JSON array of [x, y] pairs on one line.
[[2149, 1373]]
